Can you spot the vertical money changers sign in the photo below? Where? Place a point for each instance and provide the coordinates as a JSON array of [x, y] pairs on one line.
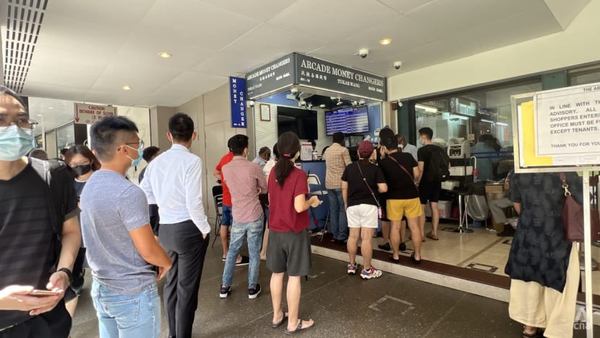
[[568, 123], [237, 92], [90, 113]]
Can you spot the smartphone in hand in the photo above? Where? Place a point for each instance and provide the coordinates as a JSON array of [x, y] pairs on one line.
[[44, 293]]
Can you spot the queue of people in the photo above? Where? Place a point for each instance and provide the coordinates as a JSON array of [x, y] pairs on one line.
[[90, 198]]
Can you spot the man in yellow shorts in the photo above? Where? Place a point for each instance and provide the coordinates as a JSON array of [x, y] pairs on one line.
[[401, 171]]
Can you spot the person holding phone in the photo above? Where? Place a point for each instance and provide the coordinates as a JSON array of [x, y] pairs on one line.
[[39, 231], [121, 249]]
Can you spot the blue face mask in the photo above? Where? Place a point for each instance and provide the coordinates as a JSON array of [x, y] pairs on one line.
[[15, 143], [136, 162], [420, 143]]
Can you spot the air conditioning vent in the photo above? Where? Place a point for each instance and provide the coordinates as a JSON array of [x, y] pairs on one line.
[[23, 24]]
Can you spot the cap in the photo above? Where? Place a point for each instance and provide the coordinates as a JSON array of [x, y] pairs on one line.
[[365, 148]]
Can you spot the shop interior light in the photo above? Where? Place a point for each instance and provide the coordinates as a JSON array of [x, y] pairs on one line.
[[126, 87], [460, 117], [426, 108], [385, 41], [165, 55], [488, 121], [502, 124]]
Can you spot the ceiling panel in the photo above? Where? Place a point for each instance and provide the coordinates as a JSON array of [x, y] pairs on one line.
[[116, 14], [261, 10], [328, 21], [403, 6], [187, 86]]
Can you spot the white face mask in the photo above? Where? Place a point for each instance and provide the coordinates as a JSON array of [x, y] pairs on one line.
[[400, 146]]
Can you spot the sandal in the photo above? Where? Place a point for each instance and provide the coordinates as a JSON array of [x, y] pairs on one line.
[[412, 258], [430, 235], [299, 327], [394, 259], [283, 320]]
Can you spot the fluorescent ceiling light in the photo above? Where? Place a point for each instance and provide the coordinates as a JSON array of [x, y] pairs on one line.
[[385, 41], [165, 55], [488, 121], [502, 124], [460, 117], [426, 108], [126, 87]]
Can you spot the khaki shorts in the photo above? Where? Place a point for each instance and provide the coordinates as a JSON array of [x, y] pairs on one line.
[[362, 216], [396, 209]]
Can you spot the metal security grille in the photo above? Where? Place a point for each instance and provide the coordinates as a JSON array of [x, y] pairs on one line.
[[23, 23]]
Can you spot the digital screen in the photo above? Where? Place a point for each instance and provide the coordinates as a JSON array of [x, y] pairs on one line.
[[353, 120]]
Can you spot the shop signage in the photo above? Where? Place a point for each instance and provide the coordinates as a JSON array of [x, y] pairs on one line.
[[271, 77], [237, 93], [325, 75], [568, 123], [90, 113], [298, 69]]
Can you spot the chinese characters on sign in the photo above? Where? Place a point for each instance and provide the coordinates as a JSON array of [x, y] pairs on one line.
[[90, 113], [237, 92]]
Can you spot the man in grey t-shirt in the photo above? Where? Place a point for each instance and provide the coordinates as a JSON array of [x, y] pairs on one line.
[[121, 248]]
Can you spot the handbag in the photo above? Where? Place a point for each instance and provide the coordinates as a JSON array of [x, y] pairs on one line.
[[380, 212], [572, 216]]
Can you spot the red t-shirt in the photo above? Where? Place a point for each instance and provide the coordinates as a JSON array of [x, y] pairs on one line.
[[226, 194], [282, 214]]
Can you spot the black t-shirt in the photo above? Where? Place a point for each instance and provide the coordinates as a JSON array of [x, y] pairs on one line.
[[424, 155], [79, 185], [26, 236], [358, 192], [401, 186]]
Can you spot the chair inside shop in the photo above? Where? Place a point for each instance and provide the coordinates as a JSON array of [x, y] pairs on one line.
[[217, 192]]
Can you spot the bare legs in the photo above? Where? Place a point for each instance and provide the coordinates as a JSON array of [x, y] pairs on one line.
[[366, 247], [417, 239], [352, 244], [403, 232], [435, 218], [395, 239], [385, 231], [263, 252], [293, 300], [72, 305]]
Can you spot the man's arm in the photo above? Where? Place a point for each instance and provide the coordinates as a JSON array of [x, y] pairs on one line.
[[346, 156], [421, 167], [261, 180], [146, 244], [517, 207], [193, 197], [147, 187], [217, 175], [345, 194]]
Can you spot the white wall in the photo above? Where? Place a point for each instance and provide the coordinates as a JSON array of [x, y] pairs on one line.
[[577, 45]]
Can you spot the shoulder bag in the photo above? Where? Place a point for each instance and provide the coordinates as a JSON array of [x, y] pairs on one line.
[[380, 212], [406, 171], [572, 216]]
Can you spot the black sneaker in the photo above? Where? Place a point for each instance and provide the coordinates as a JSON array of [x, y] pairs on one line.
[[402, 247], [224, 291], [245, 261], [253, 293], [385, 247], [508, 231]]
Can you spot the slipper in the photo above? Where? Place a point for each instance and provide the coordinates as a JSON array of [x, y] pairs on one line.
[[299, 327], [431, 236], [283, 320], [394, 259], [412, 257]]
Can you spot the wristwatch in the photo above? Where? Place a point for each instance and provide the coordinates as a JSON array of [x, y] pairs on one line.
[[68, 273]]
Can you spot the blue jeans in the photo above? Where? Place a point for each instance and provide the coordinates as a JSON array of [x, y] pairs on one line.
[[337, 217], [127, 315], [239, 231]]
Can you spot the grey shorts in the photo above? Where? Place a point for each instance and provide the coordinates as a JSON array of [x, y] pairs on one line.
[[289, 252]]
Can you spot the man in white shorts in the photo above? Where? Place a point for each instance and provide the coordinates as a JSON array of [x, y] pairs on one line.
[[361, 184]]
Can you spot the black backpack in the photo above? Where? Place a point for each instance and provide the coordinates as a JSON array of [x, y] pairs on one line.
[[437, 170]]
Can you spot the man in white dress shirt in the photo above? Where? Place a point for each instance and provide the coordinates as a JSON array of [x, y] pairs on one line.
[[173, 181]]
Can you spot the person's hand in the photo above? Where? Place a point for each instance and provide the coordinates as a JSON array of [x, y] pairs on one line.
[[314, 201], [381, 152], [259, 191], [345, 206], [204, 236], [59, 282], [162, 272]]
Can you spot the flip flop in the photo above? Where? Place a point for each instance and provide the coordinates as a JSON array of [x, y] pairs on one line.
[[283, 320], [412, 257], [395, 260], [299, 327], [431, 236]]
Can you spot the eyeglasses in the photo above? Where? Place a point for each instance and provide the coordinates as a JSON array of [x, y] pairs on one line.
[[140, 143], [23, 123]]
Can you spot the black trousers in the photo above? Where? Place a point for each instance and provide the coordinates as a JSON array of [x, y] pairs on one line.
[[184, 244], [52, 324]]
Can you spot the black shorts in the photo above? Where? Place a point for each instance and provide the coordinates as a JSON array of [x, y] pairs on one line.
[[289, 252], [52, 324], [430, 192]]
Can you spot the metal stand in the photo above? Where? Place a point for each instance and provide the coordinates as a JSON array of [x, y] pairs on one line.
[[463, 224], [587, 245]]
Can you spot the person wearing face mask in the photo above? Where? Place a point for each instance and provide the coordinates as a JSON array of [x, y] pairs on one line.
[[39, 232], [82, 163], [120, 247], [174, 182]]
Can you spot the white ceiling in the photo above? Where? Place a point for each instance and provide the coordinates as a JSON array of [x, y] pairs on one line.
[[88, 49]]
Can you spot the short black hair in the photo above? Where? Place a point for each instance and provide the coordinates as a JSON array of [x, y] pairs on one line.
[[107, 133], [338, 137], [181, 127], [264, 150], [428, 132], [388, 139], [64, 151], [150, 152], [239, 142], [313, 143], [229, 143]]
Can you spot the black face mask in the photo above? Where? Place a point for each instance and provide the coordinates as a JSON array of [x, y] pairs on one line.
[[81, 170]]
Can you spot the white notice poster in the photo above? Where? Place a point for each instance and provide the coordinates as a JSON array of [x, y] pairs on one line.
[[306, 151], [567, 123], [89, 113]]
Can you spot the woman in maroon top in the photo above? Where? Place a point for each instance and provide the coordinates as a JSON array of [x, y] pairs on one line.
[[289, 243]]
